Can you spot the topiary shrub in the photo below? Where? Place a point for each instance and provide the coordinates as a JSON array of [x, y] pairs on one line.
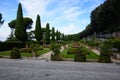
[[80, 56], [105, 54], [34, 48], [15, 53], [56, 52]]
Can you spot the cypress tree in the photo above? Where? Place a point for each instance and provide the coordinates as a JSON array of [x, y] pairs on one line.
[[63, 37], [38, 30], [53, 34], [58, 35], [20, 30], [47, 36]]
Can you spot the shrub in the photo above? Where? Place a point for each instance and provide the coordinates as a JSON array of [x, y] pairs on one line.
[[15, 54], [34, 48], [56, 58], [40, 48], [85, 50], [105, 54], [4, 46], [116, 44], [56, 52], [80, 56]]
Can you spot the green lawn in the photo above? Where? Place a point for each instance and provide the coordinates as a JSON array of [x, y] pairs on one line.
[[65, 55], [5, 53], [40, 52], [92, 55]]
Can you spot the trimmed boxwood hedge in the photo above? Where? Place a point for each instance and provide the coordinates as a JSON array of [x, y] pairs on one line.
[[4, 46]]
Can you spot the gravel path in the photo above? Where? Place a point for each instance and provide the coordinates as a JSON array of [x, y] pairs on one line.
[[25, 69]]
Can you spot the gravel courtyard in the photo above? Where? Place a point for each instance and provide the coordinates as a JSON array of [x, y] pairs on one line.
[[26, 69]]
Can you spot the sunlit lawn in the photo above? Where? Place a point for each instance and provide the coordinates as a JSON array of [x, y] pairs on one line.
[[91, 56], [23, 54]]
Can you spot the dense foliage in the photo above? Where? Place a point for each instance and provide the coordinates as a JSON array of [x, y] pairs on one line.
[[27, 22], [47, 34], [38, 30], [15, 53], [53, 34], [56, 52], [105, 18], [105, 53], [4, 46], [80, 56], [20, 30]]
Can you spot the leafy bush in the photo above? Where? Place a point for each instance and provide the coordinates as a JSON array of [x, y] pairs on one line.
[[55, 45], [56, 52], [105, 54], [15, 54], [34, 48], [80, 56], [56, 58], [116, 44]]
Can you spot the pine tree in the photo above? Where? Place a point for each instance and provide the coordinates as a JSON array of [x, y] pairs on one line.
[[47, 36], [38, 30], [20, 30]]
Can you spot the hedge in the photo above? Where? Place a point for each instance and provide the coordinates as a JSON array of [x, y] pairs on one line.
[[4, 46]]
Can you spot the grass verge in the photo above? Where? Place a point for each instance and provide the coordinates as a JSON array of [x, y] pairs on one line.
[[23, 54]]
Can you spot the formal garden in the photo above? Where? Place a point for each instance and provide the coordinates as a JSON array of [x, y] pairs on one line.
[[26, 43]]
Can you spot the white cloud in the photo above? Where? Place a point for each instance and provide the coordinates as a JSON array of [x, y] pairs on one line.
[[60, 13], [69, 29], [34, 7], [4, 31]]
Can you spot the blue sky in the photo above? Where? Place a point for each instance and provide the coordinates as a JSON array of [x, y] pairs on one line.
[[67, 16]]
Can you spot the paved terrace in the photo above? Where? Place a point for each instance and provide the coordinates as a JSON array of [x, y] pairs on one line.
[[27, 69]]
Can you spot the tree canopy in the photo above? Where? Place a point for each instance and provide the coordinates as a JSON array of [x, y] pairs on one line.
[[104, 18]]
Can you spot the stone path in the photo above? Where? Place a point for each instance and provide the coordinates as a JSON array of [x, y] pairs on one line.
[[25, 69], [45, 56]]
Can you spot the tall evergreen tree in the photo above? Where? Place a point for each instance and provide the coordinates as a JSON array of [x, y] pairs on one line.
[[47, 36], [63, 37], [20, 30], [53, 34], [58, 35], [38, 30]]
